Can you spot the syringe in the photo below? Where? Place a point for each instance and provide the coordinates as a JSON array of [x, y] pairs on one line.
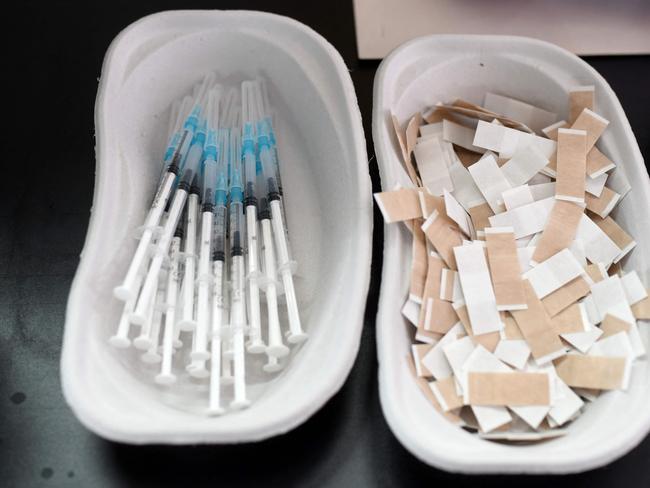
[[200, 352], [295, 334], [218, 267], [275, 348], [176, 152], [194, 156], [255, 344], [186, 321], [237, 307], [166, 377]]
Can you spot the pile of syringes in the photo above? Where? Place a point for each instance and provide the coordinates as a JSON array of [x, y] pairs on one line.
[[213, 241]]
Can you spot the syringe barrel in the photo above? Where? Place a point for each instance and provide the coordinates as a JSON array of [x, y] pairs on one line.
[[263, 209], [274, 152], [219, 234], [209, 183], [191, 166], [235, 228], [250, 198], [266, 159], [176, 162]]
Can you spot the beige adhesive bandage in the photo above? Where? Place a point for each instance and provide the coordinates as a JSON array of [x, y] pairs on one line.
[[418, 263], [598, 163], [536, 327], [399, 205], [593, 124], [580, 98], [508, 389], [613, 325], [598, 372], [560, 230], [571, 165], [604, 204], [568, 294], [504, 268], [443, 237], [615, 232], [480, 214]]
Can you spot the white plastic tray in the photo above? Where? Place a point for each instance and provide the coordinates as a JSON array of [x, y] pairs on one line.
[[440, 68], [328, 205]]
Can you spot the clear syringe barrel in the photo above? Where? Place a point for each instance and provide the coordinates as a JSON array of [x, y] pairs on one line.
[[235, 228], [266, 160], [209, 183], [236, 199], [274, 152], [185, 138], [193, 159], [264, 211], [248, 151], [220, 213]]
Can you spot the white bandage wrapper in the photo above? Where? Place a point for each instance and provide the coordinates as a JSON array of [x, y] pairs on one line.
[[514, 352], [490, 180], [460, 135], [507, 142], [457, 213], [542, 191], [609, 298], [599, 248], [617, 345], [457, 353], [450, 289], [432, 164], [534, 117], [429, 130], [524, 165], [595, 185], [481, 360], [465, 190], [411, 310], [477, 289], [551, 274], [566, 406], [435, 360], [634, 289], [517, 197], [526, 220]]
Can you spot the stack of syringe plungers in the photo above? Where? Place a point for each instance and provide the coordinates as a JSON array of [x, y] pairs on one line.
[[214, 241]]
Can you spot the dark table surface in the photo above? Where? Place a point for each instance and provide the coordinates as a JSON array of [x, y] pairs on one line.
[[54, 64]]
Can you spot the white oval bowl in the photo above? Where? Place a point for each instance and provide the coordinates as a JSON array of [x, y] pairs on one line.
[[441, 68], [328, 204]]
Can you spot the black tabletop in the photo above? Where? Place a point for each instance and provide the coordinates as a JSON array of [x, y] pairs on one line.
[[52, 65]]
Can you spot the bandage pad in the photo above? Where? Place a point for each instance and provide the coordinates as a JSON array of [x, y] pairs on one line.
[[566, 295], [598, 372], [508, 389], [593, 124], [480, 214], [604, 204], [504, 268], [571, 165], [580, 98], [399, 205], [536, 327], [443, 237], [560, 229]]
